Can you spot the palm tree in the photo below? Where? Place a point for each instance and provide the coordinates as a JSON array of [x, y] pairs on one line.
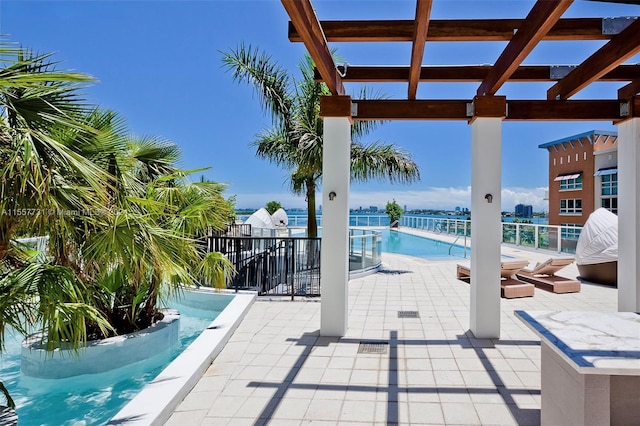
[[40, 176], [122, 220], [295, 140], [143, 243], [36, 102]]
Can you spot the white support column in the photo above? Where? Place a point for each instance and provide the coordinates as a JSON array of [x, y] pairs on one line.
[[334, 259], [486, 168], [629, 215]]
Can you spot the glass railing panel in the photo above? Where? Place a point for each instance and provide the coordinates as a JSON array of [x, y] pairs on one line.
[[527, 235], [508, 233], [544, 237]]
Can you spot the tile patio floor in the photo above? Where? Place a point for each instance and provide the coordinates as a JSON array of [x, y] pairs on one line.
[[277, 370]]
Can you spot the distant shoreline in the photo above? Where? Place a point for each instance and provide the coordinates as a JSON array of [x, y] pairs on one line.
[[536, 220]]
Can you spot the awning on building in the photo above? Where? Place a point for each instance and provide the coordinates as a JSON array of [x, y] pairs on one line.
[[565, 177], [606, 171]]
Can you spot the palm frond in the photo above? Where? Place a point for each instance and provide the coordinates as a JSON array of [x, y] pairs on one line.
[[215, 269], [383, 162], [276, 146], [362, 128], [154, 157], [270, 81]]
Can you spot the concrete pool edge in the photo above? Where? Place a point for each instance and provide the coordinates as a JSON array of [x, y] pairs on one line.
[[155, 403]]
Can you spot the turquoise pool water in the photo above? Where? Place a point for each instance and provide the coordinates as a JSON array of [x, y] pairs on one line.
[[424, 248], [92, 399]]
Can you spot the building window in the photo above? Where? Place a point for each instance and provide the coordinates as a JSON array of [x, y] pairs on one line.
[[610, 192], [571, 206], [611, 204], [571, 184], [570, 231], [585, 155], [554, 161], [576, 157], [610, 184]]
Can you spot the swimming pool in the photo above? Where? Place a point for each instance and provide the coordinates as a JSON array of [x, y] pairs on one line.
[[92, 399], [422, 247]]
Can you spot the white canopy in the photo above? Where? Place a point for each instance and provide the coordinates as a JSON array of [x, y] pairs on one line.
[[598, 242], [280, 218], [260, 219]]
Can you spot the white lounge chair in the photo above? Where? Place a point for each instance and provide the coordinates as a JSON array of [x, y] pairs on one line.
[[510, 286], [543, 275]]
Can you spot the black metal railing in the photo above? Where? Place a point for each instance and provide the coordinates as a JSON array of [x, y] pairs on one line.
[[272, 266]]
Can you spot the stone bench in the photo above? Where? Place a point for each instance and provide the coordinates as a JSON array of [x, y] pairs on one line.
[[590, 366]]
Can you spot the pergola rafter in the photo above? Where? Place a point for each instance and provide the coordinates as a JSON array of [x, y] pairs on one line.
[[474, 73], [453, 30], [423, 12], [304, 18], [629, 90], [616, 51], [540, 20]]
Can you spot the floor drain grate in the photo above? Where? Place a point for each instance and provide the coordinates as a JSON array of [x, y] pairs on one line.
[[373, 348], [408, 314]]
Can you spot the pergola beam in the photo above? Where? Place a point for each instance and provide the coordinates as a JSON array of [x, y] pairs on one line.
[[423, 13], [631, 89], [517, 110], [539, 21], [452, 30], [616, 51], [305, 20], [469, 73]]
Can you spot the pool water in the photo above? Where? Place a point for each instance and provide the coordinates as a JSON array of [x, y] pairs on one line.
[[424, 248], [92, 399]]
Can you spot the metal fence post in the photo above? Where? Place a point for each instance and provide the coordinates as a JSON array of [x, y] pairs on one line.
[[560, 239]]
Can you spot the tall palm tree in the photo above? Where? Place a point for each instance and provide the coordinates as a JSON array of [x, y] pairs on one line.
[[295, 140]]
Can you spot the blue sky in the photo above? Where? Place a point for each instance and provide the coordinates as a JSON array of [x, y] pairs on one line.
[[158, 64]]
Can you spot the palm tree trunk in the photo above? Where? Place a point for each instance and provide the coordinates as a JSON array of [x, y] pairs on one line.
[[312, 222], [6, 231]]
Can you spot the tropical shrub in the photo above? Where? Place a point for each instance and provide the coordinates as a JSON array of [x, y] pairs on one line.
[[273, 206], [124, 223], [394, 211]]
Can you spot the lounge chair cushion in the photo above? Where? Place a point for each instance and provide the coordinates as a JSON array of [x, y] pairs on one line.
[[550, 266], [543, 276]]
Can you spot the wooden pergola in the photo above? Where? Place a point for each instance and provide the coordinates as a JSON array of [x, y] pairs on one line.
[[484, 111]]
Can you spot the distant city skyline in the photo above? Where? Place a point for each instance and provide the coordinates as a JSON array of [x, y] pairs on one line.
[[432, 198], [158, 63]]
